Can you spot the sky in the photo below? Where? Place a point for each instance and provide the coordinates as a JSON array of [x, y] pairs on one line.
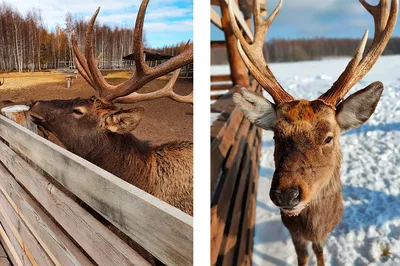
[[167, 21], [317, 18]]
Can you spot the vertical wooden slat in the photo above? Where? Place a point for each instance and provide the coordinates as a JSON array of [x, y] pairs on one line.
[[235, 222]]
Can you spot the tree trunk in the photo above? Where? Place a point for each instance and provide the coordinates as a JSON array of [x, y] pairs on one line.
[[239, 71]]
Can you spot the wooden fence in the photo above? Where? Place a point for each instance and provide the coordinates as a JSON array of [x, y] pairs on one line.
[[41, 224], [235, 154]]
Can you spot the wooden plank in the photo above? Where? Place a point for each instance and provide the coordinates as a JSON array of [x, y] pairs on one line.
[[248, 215], [59, 247], [155, 225], [231, 239], [216, 19], [217, 78], [26, 240], [14, 237], [215, 97], [4, 262], [5, 241], [3, 253], [220, 202], [101, 244], [221, 87], [252, 209], [229, 245], [222, 135]]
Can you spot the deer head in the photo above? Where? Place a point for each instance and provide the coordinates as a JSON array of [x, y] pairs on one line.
[[71, 120], [306, 133]]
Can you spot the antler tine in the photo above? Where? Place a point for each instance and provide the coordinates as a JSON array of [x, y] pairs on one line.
[[167, 91], [98, 80], [1, 83], [87, 65], [253, 56], [80, 62], [358, 67], [138, 49], [144, 73]]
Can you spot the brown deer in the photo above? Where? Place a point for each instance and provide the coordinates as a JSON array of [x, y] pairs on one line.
[[97, 130], [306, 182]]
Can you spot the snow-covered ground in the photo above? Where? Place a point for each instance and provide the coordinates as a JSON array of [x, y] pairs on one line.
[[370, 174]]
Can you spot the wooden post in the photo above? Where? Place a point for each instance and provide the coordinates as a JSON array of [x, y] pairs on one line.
[[69, 81], [20, 115], [239, 71]]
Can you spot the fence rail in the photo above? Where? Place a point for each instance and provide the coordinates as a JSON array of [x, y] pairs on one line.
[[235, 154], [161, 229]]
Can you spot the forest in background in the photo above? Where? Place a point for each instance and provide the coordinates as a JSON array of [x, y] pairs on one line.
[[26, 45], [281, 50]]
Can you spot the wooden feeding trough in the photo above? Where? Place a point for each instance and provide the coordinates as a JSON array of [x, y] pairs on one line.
[[42, 221], [235, 154]]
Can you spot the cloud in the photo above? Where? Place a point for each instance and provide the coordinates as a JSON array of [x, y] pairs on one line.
[[319, 18], [173, 16]]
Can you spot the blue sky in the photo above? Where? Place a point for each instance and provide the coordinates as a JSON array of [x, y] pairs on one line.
[[318, 18], [167, 21]]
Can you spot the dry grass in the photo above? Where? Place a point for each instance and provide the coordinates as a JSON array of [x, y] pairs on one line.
[[17, 81], [165, 120]]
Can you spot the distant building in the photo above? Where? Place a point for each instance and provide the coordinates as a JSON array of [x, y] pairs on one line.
[[153, 59]]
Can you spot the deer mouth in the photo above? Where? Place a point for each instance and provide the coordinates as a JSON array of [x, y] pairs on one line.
[[37, 119], [295, 210]]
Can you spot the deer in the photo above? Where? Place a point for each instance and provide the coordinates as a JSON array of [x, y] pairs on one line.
[[306, 182], [99, 131]]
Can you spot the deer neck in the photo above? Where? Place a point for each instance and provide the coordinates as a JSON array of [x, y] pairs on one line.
[[120, 154]]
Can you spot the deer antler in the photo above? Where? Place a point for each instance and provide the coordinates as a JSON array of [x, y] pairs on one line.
[[167, 91], [253, 56], [359, 66], [87, 67], [1, 82]]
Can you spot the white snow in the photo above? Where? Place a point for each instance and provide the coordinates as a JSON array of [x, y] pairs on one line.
[[370, 177]]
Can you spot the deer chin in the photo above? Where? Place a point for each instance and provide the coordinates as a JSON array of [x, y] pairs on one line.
[[295, 211]]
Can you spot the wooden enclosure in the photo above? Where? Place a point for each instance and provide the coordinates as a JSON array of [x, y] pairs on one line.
[[235, 154], [57, 209], [235, 149]]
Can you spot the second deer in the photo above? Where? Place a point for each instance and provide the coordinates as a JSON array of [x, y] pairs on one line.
[[306, 182]]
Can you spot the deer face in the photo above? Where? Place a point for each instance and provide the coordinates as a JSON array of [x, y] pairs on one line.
[[73, 121], [306, 133]]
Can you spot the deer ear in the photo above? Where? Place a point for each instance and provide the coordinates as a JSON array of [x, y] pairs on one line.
[[124, 121], [358, 108], [256, 108]]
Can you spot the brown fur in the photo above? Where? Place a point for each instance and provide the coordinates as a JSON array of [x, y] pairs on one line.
[[164, 171], [304, 161], [101, 137]]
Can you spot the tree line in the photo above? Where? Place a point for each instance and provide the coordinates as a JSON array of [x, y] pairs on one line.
[[282, 50], [26, 45]]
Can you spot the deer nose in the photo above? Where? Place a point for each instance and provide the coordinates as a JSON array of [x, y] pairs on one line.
[[286, 199]]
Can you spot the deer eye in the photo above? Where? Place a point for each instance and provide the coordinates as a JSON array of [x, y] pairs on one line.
[[77, 111], [328, 140]]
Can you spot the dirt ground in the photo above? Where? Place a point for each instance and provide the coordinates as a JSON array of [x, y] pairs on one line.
[[165, 120]]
